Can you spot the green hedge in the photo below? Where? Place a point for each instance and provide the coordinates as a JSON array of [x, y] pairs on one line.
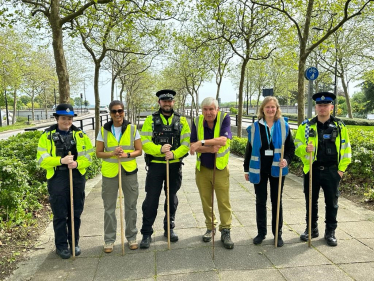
[[359, 177], [23, 185]]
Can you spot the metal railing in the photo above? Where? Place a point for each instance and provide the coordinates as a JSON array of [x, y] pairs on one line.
[[80, 123]]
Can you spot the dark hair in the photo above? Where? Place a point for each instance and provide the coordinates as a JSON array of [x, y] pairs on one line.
[[116, 102]]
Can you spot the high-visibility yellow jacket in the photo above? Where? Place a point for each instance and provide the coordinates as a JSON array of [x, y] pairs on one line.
[[46, 154], [224, 152], [343, 146], [153, 149], [109, 167]]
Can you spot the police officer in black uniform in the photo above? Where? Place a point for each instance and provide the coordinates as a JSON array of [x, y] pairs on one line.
[[327, 138], [165, 136], [53, 149]]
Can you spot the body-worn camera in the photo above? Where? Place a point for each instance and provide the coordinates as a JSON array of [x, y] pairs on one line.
[[312, 133]]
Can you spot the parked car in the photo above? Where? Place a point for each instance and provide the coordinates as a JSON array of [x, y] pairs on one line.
[[103, 109]]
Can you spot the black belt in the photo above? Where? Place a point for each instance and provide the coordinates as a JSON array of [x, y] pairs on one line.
[[321, 167]]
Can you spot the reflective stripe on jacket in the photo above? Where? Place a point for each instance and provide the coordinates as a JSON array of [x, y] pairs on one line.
[[109, 167], [280, 133], [46, 154], [342, 144], [224, 152]]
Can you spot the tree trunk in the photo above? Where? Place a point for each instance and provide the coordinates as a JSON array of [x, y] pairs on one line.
[[241, 87], [346, 94], [14, 106], [97, 98], [300, 90], [58, 50]]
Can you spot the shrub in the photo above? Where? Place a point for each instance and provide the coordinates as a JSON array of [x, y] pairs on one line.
[[23, 184]]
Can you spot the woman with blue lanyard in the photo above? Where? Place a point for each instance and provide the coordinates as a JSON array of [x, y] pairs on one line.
[[262, 162], [119, 139]]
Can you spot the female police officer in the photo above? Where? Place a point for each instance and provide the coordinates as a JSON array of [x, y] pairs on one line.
[[53, 149]]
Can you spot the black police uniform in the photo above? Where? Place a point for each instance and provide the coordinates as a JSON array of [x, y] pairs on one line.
[[325, 174], [59, 191]]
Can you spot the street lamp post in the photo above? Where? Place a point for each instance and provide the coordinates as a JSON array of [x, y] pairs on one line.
[[81, 101]]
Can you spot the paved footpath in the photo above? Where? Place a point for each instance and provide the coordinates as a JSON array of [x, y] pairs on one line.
[[191, 259]]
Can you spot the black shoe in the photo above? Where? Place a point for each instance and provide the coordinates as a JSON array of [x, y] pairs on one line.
[[280, 241], [77, 251], [330, 238], [258, 239], [305, 237], [146, 242], [225, 238], [64, 254], [173, 236], [207, 237]]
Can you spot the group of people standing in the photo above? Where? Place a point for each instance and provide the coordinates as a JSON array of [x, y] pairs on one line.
[[166, 139]]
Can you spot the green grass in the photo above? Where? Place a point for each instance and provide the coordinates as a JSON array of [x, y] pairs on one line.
[[20, 124]]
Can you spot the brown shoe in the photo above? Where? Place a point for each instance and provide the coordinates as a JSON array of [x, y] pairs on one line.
[[108, 247], [133, 245]]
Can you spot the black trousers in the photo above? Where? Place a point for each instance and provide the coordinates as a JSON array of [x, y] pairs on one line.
[[327, 178], [155, 181], [261, 198], [59, 198]]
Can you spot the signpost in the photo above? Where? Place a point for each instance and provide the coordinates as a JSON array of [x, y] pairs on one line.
[[310, 74]]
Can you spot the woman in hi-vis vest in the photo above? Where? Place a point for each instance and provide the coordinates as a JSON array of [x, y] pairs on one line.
[[262, 162], [119, 139]]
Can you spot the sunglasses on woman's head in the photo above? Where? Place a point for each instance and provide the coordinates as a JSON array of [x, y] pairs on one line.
[[113, 111]]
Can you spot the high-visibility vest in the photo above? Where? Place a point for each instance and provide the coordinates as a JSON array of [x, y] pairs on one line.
[[224, 152], [46, 154], [342, 144], [280, 133], [109, 167]]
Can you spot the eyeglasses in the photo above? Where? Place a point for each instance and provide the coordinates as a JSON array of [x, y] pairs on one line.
[[113, 111]]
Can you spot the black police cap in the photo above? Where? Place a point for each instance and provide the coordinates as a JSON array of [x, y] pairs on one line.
[[64, 109], [324, 97], [166, 94]]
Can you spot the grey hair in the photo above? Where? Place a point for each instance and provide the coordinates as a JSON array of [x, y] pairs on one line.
[[209, 101]]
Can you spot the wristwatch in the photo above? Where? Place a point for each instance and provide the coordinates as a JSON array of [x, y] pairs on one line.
[[128, 155], [202, 142]]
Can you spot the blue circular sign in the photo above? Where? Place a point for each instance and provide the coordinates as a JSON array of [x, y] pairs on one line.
[[311, 73]]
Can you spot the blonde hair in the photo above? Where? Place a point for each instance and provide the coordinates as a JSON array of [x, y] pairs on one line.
[[266, 100]]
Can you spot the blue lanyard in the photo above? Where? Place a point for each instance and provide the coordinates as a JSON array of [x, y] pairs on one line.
[[267, 134], [114, 134]]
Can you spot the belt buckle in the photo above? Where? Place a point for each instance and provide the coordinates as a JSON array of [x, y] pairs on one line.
[[321, 168]]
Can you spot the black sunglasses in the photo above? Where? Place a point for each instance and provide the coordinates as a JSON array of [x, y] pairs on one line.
[[113, 111]]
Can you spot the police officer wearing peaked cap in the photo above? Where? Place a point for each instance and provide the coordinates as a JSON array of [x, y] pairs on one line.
[[165, 136], [52, 155], [327, 138]]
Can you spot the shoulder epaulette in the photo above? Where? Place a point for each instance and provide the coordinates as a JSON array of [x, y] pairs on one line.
[[306, 121]]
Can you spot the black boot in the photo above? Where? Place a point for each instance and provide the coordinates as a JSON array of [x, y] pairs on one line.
[[330, 238], [173, 235], [280, 242], [258, 239], [305, 236], [146, 242], [77, 250], [225, 238], [63, 253]]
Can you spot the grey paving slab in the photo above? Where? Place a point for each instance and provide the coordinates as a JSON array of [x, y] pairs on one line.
[[347, 250], [320, 272], [191, 276], [359, 271], [132, 266], [183, 261], [358, 229], [294, 255], [240, 258], [269, 274]]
